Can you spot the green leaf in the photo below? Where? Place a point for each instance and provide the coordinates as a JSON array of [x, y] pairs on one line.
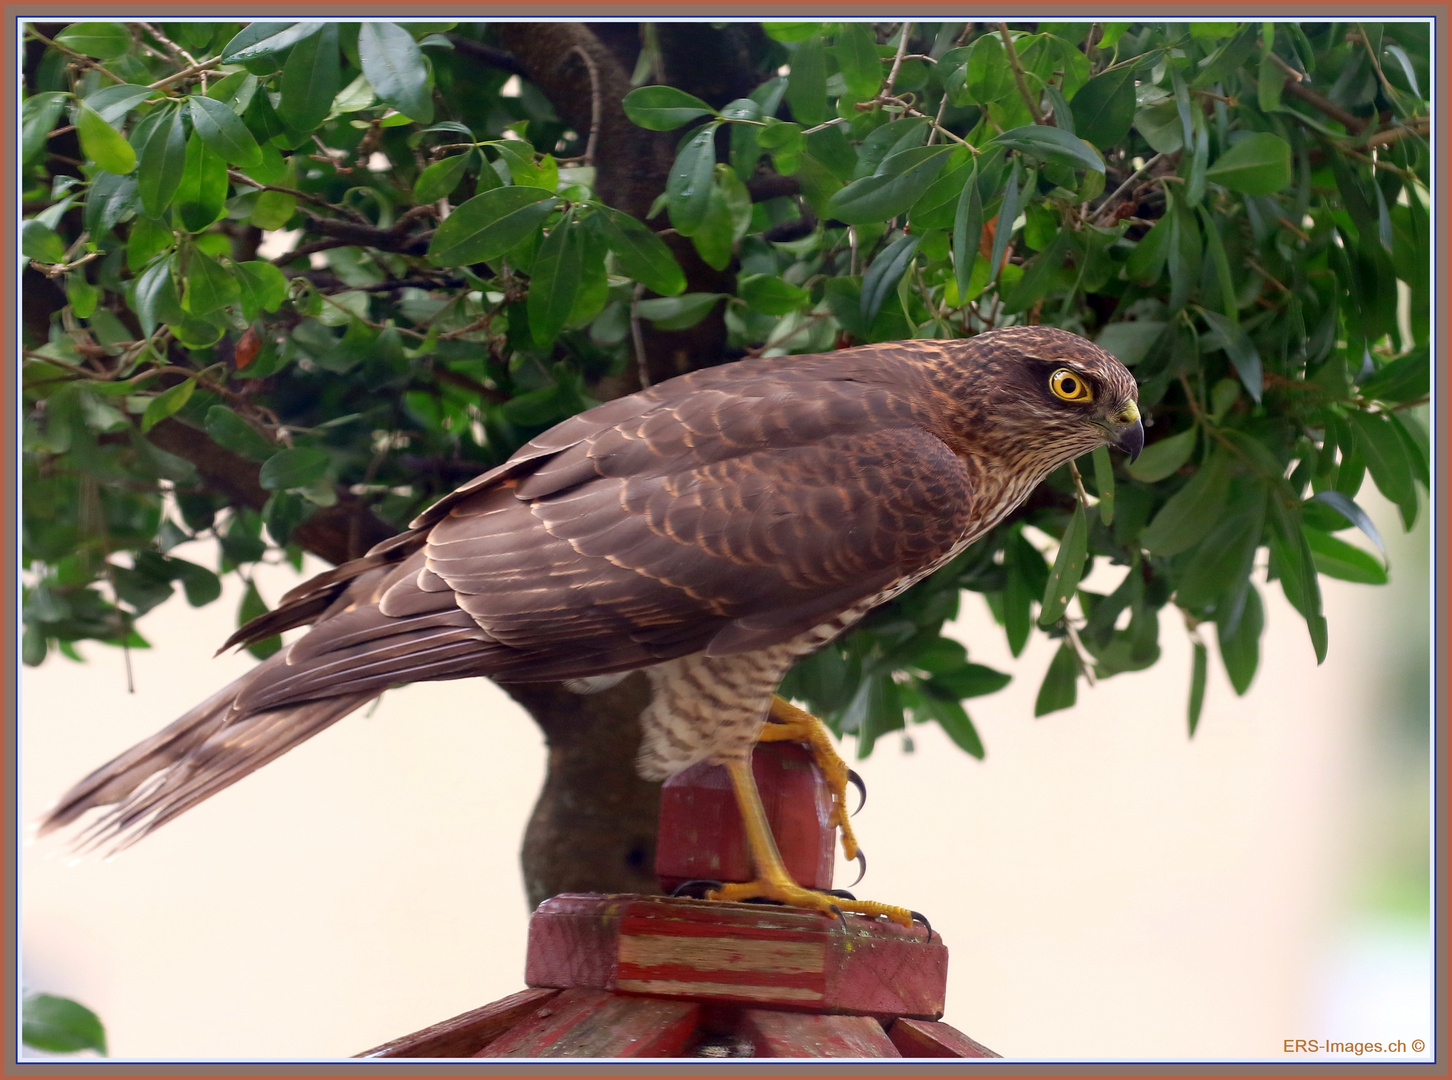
[[310, 80], [231, 431], [642, 254], [163, 162], [1270, 82], [209, 287], [1190, 512], [856, 51], [1338, 559], [1260, 164], [166, 403], [1233, 339], [488, 225], [1226, 555], [1164, 457], [395, 69], [263, 287], [112, 103], [38, 118], [1353, 514], [1068, 568], [221, 130], [967, 233], [1404, 379], [1051, 144], [201, 196], [1104, 107], [1130, 342], [790, 31], [289, 470], [1198, 672], [1385, 456], [688, 187], [81, 295], [899, 182], [1007, 212], [110, 199], [678, 312], [261, 39], [980, 75], [662, 108], [556, 280], [103, 40], [59, 1025], [102, 143], [807, 82], [41, 243], [252, 607], [1060, 688], [953, 719], [1104, 482], [440, 178], [1292, 562], [1240, 641], [969, 680], [884, 274], [770, 295], [155, 297]]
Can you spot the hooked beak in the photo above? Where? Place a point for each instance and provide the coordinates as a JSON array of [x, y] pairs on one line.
[[1128, 431]]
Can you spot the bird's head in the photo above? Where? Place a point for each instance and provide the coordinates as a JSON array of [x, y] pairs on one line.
[[1049, 394]]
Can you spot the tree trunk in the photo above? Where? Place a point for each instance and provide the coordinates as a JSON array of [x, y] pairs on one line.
[[594, 826]]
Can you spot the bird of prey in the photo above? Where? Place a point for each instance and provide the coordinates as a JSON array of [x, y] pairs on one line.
[[710, 530]]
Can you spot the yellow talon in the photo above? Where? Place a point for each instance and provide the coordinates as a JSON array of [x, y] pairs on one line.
[[772, 880], [791, 724]]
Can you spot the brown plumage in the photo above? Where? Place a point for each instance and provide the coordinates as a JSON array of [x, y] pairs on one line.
[[711, 529]]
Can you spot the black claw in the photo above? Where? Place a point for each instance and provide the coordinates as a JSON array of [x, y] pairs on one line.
[[841, 894], [919, 917], [861, 867], [697, 888], [856, 781], [841, 915]]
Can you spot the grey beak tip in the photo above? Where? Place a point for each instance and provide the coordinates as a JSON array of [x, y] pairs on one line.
[[1131, 439]]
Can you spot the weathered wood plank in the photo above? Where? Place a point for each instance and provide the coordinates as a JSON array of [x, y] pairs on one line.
[[597, 1024], [463, 1035], [934, 1039], [745, 953], [806, 1035]]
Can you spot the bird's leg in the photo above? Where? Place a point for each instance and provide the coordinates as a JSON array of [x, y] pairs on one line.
[[772, 880], [791, 724]]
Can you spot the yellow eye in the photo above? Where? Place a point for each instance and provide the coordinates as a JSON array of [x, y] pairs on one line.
[[1068, 386]]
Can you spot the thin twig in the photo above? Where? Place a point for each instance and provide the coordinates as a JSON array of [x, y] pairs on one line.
[[637, 340], [185, 73], [1416, 126], [1122, 188], [1353, 124], [902, 44], [82, 57], [1013, 63], [589, 157]]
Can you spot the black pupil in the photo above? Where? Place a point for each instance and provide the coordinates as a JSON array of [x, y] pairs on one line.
[[1069, 386]]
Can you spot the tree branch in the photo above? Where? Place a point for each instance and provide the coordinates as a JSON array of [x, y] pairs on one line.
[[336, 533]]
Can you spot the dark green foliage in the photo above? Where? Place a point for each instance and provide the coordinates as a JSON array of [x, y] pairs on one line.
[[1232, 240]]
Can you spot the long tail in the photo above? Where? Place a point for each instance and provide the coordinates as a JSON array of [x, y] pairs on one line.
[[209, 748]]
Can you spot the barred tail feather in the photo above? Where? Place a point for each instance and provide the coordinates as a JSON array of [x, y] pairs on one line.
[[209, 748]]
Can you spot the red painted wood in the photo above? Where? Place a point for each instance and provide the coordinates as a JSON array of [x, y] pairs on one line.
[[597, 1024], [745, 953], [806, 1035], [700, 833], [463, 1035], [934, 1039]]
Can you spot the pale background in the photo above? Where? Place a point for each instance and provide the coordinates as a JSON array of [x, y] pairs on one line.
[[1107, 887]]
